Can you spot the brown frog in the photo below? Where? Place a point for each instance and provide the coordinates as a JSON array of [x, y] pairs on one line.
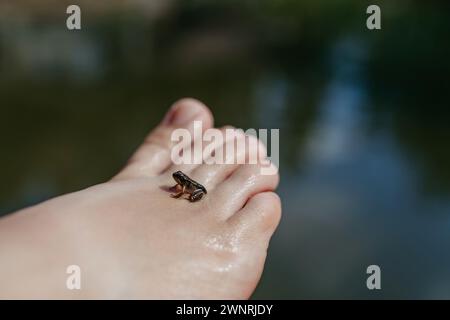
[[189, 186]]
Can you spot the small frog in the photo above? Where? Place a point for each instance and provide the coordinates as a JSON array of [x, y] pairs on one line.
[[195, 189]]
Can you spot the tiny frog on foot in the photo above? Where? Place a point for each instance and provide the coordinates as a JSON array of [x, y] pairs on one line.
[[195, 189]]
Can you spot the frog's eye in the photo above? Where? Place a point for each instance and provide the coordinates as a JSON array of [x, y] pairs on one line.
[[177, 174]]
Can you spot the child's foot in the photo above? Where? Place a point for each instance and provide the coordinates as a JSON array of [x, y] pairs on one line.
[[132, 240]]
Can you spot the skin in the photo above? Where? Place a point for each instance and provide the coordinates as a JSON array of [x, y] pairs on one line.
[[131, 239]]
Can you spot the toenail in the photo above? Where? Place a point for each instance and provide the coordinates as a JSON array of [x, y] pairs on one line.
[[184, 114]]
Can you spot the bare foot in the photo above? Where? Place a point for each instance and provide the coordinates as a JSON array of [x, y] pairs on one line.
[[132, 240]]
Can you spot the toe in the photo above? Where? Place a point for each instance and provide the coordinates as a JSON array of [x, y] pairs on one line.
[[245, 182], [237, 150], [204, 149], [259, 217], [154, 155]]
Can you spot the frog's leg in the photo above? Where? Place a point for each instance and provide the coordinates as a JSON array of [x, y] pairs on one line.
[[179, 194], [197, 195]]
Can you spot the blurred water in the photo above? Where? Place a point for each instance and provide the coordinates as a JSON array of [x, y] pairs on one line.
[[365, 163], [357, 202]]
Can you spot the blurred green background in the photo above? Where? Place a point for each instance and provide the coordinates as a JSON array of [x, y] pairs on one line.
[[363, 118]]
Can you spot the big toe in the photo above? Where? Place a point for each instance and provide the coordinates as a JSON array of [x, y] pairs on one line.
[[154, 154], [259, 217]]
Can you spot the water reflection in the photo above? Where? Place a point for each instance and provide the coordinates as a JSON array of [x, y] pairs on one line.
[[357, 202]]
